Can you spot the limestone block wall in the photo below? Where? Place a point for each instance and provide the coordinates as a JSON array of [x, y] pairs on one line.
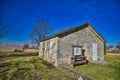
[[62, 46], [84, 38], [44, 50], [100, 44]]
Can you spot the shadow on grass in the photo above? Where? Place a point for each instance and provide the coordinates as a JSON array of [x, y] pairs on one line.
[[34, 61], [49, 65]]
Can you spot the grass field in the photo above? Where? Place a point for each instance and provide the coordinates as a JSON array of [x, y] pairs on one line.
[[28, 66], [109, 71]]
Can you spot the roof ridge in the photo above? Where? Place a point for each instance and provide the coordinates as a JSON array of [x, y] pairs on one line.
[[74, 29]]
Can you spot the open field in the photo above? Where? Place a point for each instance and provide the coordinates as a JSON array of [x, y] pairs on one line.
[[113, 53], [109, 71], [31, 50], [28, 66], [11, 48]]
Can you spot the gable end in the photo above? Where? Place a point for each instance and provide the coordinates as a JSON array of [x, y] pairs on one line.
[[96, 33]]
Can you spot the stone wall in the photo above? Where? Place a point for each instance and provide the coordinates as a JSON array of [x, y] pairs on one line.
[[62, 49], [84, 38], [44, 52]]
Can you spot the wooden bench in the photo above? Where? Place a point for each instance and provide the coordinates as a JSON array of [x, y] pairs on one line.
[[80, 60]]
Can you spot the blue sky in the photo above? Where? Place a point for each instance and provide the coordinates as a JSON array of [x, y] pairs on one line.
[[21, 16]]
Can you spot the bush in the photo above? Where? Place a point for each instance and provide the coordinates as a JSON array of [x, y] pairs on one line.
[[18, 50]]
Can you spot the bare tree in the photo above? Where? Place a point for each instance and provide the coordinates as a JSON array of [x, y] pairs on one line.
[[3, 29], [40, 31]]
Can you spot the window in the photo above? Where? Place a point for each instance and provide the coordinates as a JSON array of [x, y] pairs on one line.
[[45, 46], [77, 50], [41, 47], [51, 45]]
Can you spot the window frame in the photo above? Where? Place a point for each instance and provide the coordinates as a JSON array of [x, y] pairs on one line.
[[76, 47], [51, 46], [45, 46]]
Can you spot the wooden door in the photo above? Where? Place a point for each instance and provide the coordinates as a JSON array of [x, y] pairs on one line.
[[94, 51]]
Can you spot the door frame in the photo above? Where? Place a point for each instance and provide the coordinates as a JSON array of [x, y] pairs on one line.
[[94, 51]]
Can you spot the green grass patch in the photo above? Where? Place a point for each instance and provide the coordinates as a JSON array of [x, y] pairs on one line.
[[109, 71], [30, 68], [15, 54]]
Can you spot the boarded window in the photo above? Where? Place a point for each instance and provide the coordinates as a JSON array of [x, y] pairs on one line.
[[41, 47], [77, 51], [45, 46], [51, 45]]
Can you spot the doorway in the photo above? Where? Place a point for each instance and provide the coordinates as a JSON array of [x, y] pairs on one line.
[[94, 51]]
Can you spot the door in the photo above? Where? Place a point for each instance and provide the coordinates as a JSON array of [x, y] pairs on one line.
[[77, 51], [94, 51]]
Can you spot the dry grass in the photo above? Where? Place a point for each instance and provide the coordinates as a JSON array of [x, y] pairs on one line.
[[22, 67], [9, 48], [31, 50], [113, 53]]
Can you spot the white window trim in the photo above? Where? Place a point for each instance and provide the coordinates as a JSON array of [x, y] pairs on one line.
[[51, 45], [41, 47], [45, 46], [79, 49]]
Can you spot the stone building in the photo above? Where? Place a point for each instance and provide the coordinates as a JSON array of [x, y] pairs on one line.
[[81, 40]]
